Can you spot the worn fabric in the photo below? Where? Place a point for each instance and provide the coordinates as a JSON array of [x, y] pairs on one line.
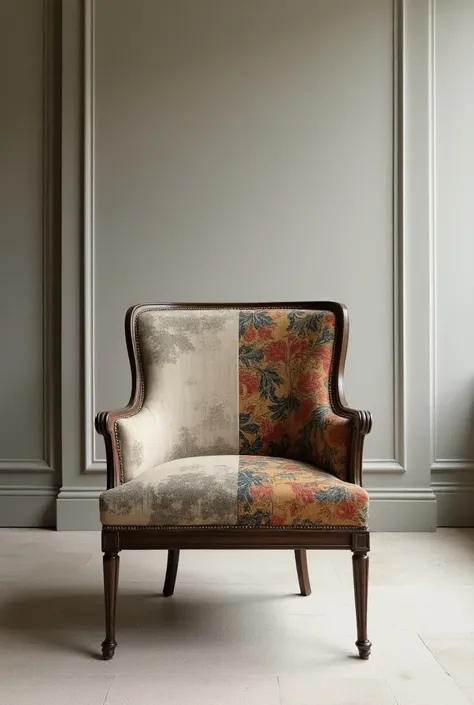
[[228, 381], [189, 361], [235, 490]]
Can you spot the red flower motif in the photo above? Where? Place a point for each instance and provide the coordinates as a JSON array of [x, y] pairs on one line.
[[250, 334], [276, 351], [248, 383], [306, 407], [265, 332], [345, 509], [278, 521], [298, 346], [261, 492], [271, 431], [309, 382], [360, 496], [329, 319], [337, 434], [324, 355], [293, 506], [291, 467], [303, 491]]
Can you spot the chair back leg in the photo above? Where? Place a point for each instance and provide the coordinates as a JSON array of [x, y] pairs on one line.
[[171, 572], [302, 570]]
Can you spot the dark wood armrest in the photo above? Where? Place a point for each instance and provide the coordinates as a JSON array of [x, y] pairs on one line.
[[105, 421], [361, 425], [105, 426], [360, 422]]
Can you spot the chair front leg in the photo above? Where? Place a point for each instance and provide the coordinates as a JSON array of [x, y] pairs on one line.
[[111, 562], [360, 564]]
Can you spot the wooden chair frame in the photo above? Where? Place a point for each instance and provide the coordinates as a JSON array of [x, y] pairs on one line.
[[116, 539]]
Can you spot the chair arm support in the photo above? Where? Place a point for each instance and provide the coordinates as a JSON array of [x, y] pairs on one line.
[[105, 426], [361, 420], [358, 426], [131, 437]]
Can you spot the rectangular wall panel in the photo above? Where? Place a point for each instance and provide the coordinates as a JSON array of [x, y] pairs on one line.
[[30, 124], [243, 151], [21, 228], [454, 277]]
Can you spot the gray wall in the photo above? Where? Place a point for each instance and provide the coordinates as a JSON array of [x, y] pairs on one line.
[[245, 150], [253, 162]]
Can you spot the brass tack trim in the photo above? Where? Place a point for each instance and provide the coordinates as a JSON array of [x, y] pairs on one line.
[[216, 527]]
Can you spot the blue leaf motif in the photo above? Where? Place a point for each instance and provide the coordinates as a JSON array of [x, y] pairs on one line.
[[333, 494]]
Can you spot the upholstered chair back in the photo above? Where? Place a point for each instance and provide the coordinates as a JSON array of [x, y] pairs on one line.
[[233, 381]]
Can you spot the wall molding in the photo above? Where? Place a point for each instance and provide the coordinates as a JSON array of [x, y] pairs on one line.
[[452, 465], [51, 185], [28, 491], [16, 465], [395, 494], [92, 464], [399, 263], [433, 237], [396, 465], [52, 119], [384, 467]]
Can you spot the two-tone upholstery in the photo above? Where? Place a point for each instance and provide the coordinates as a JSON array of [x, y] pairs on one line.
[[235, 490], [235, 424], [237, 435]]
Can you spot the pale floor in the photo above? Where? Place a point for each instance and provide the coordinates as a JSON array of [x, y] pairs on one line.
[[235, 631]]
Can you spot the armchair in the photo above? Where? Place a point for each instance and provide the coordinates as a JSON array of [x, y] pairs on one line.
[[237, 435]]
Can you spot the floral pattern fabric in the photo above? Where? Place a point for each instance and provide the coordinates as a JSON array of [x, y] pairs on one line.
[[279, 492], [236, 490], [285, 358]]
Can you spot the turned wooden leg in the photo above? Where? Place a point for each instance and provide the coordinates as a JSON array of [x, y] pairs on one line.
[[171, 571], [302, 570], [111, 572], [360, 564]]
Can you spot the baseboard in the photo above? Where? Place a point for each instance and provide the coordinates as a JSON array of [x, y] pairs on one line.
[[402, 510], [77, 509], [390, 510], [22, 507], [455, 503]]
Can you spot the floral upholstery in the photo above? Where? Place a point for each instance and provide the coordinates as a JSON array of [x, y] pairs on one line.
[[236, 490], [284, 362]]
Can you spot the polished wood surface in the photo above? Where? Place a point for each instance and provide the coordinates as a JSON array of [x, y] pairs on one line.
[[111, 562], [360, 564], [171, 572], [302, 571]]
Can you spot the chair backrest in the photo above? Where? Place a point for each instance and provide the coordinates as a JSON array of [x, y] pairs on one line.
[[252, 380]]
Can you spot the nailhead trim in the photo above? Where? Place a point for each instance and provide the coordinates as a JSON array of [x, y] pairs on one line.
[[142, 398], [208, 527]]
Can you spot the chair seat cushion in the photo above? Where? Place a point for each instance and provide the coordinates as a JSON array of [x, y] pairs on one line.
[[235, 490]]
